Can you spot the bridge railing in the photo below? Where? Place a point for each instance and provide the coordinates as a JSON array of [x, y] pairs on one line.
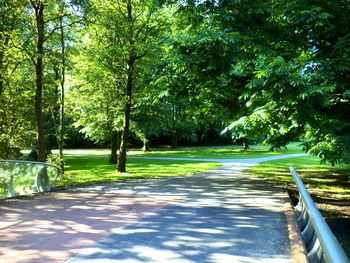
[[25, 177], [321, 244]]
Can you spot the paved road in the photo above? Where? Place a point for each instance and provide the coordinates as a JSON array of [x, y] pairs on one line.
[[217, 216]]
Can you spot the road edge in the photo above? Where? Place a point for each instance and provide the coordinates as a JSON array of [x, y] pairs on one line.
[[297, 246]]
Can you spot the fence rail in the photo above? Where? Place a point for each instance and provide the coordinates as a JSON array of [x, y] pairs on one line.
[[321, 244], [25, 177]]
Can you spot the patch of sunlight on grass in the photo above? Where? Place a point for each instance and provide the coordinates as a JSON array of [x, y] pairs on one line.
[[222, 152], [211, 152], [90, 169], [318, 178]]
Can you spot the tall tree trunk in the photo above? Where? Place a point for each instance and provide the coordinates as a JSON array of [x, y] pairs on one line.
[[39, 68], [245, 143], [63, 79], [126, 121], [114, 147], [121, 167], [173, 137], [173, 129], [145, 147]]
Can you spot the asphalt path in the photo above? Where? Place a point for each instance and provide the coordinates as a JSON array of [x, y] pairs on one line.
[[216, 216]]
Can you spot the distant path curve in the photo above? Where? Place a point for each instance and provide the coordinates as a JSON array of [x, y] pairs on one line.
[[221, 160]]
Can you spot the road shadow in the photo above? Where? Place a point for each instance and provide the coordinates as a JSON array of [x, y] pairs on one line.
[[190, 234]]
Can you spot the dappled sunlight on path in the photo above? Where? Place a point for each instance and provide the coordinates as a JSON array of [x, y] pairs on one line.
[[55, 226], [216, 216]]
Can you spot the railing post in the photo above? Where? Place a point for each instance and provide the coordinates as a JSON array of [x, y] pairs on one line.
[[12, 194]]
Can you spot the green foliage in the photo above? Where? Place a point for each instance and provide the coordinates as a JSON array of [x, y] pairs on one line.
[[298, 80], [333, 149], [271, 69], [15, 99], [55, 159]]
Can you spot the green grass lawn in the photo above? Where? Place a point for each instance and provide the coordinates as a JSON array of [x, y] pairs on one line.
[[211, 152], [221, 152], [90, 166], [322, 180], [90, 169]]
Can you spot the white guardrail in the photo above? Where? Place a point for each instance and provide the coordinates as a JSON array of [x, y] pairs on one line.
[[26, 177], [321, 244]]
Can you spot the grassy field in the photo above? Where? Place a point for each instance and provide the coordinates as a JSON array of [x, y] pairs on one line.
[[329, 187], [211, 152], [222, 152], [327, 184], [90, 169], [90, 166]]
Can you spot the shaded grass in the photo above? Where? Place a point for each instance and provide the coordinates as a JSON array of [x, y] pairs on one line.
[[222, 152], [88, 169], [323, 181]]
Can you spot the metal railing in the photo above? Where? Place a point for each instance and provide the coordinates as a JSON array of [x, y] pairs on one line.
[[25, 177], [321, 244]]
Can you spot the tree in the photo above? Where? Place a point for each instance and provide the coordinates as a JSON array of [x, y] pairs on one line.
[[38, 8], [213, 59], [132, 27], [15, 99], [69, 17], [93, 103], [97, 92], [38, 28], [324, 25], [140, 21], [301, 84]]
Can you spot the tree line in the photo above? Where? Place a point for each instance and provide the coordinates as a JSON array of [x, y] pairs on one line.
[[275, 70]]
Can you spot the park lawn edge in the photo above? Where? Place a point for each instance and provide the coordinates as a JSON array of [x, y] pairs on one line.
[[334, 207], [88, 173], [329, 186]]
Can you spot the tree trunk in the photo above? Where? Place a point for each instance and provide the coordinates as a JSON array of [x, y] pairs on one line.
[[39, 68], [173, 129], [173, 137], [63, 78], [245, 142], [114, 147], [128, 92], [126, 122], [145, 147]]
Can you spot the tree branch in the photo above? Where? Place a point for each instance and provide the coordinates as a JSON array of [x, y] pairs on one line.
[[31, 57], [33, 4], [58, 27], [55, 18], [14, 69], [119, 8]]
